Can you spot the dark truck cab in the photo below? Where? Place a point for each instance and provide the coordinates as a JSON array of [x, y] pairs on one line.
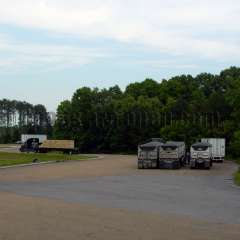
[[31, 145]]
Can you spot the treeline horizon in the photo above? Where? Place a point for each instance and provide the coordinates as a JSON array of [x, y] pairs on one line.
[[17, 117], [183, 108]]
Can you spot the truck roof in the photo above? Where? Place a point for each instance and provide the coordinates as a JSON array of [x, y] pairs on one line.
[[201, 144], [156, 139], [173, 144], [152, 144]]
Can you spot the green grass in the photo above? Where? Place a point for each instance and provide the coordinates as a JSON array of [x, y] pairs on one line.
[[237, 174], [237, 177], [237, 161], [9, 159]]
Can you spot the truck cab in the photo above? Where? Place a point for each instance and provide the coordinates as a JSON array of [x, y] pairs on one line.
[[201, 155], [31, 145]]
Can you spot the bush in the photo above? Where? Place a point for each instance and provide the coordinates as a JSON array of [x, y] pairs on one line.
[[234, 149]]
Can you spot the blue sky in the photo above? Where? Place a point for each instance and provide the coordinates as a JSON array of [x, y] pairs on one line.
[[49, 48]]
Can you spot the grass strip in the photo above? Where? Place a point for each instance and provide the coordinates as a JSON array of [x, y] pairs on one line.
[[237, 177], [10, 159]]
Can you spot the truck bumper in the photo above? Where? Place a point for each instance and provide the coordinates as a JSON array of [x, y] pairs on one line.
[[218, 159], [169, 164], [147, 164], [200, 163]]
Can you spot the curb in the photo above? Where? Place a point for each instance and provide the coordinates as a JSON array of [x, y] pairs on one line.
[[27, 164]]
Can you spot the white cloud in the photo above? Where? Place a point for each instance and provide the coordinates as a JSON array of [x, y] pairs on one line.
[[183, 27], [159, 64], [19, 56]]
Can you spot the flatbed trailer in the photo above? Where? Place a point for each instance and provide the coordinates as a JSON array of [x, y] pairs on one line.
[[66, 146]]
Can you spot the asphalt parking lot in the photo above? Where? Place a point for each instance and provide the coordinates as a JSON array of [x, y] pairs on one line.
[[96, 199]]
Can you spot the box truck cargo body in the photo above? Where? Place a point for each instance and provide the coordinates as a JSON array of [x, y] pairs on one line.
[[148, 154], [172, 155], [40, 137], [201, 155], [218, 148]]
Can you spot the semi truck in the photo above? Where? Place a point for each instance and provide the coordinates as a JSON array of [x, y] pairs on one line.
[[201, 155], [148, 154], [172, 155], [35, 143], [218, 148]]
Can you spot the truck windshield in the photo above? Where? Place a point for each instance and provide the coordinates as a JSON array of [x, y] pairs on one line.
[[147, 148], [200, 148], [172, 148]]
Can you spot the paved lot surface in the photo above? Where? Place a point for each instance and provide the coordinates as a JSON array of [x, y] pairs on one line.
[[110, 199], [12, 148]]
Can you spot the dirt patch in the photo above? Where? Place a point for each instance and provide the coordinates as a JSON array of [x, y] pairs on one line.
[[26, 218], [106, 165]]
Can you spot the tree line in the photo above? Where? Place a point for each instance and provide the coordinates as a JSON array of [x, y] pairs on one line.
[[17, 117], [182, 108]]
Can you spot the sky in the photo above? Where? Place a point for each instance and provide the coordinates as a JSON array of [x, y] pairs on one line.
[[50, 48]]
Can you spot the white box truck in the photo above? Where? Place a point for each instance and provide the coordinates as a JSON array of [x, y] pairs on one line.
[[40, 137], [218, 148]]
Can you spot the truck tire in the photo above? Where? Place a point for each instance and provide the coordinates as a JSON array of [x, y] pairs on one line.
[[207, 168], [177, 165], [140, 166]]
